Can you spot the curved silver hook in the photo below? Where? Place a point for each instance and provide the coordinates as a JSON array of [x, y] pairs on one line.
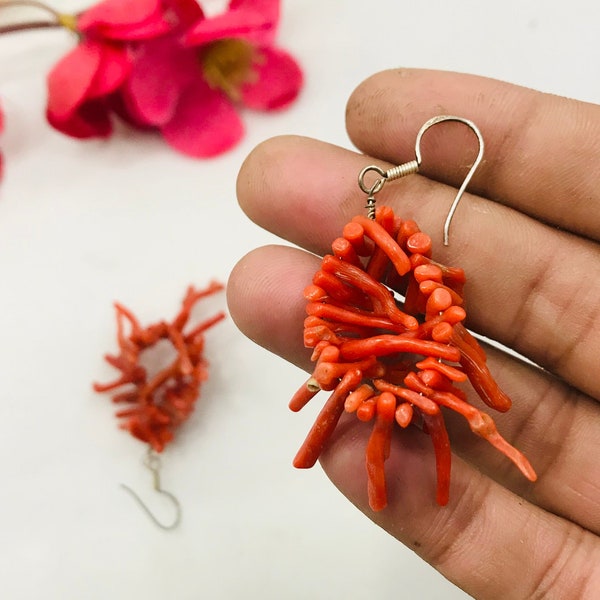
[[413, 167], [474, 166], [152, 462]]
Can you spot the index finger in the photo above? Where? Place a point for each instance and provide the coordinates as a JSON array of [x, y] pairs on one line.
[[540, 149]]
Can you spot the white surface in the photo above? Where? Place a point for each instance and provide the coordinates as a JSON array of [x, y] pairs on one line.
[[83, 224]]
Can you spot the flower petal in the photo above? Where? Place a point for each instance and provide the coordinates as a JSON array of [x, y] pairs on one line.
[[77, 84], [253, 21], [112, 71], [186, 11], [117, 12], [268, 8], [278, 82], [71, 78], [90, 120], [139, 20], [141, 31], [117, 23], [161, 70], [205, 123], [118, 104]]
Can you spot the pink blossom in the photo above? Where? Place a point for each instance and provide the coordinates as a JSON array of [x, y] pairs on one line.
[[81, 85], [160, 64], [192, 91]]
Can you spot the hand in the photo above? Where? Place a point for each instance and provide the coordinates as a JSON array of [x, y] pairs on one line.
[[528, 238]]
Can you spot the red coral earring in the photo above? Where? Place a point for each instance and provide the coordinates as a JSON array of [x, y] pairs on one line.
[[392, 360], [158, 403]]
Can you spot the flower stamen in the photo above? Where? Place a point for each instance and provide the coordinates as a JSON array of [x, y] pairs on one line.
[[228, 65]]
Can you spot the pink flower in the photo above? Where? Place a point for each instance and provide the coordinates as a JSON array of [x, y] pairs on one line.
[[191, 91], [81, 85], [160, 64]]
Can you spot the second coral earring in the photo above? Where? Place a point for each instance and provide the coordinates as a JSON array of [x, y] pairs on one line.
[[157, 402], [385, 322]]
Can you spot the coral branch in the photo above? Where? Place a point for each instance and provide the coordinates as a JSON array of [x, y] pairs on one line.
[[386, 242], [473, 362], [383, 345], [378, 450], [443, 456], [162, 401], [326, 422]]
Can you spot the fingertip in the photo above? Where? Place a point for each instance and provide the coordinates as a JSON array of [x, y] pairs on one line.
[[252, 176], [249, 290], [267, 162], [298, 188], [265, 301], [236, 290]]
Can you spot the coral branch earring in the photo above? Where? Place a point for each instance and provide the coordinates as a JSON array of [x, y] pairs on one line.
[[157, 403], [390, 360]]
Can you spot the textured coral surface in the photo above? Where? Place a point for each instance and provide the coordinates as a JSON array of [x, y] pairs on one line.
[[386, 325], [159, 402]]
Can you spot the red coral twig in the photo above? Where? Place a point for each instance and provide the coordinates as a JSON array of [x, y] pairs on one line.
[[159, 402], [387, 359]]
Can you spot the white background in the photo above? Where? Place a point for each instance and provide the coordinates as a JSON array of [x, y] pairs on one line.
[[85, 223]]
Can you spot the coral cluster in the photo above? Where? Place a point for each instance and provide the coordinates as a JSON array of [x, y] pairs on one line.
[[394, 360], [159, 402]]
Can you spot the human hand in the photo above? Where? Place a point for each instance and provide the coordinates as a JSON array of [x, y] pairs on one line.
[[528, 238]]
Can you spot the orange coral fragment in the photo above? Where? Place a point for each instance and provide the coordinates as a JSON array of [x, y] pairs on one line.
[[159, 402], [386, 358]]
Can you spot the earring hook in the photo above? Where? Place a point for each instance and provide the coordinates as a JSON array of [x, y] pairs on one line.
[[413, 167], [152, 462]]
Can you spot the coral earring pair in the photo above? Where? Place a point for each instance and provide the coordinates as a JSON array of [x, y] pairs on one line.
[[386, 325]]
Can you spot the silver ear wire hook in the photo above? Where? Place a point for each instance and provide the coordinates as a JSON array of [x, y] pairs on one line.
[[413, 167], [152, 462]]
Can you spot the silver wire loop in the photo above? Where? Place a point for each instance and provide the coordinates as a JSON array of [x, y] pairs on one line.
[[152, 462], [413, 167], [376, 187]]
